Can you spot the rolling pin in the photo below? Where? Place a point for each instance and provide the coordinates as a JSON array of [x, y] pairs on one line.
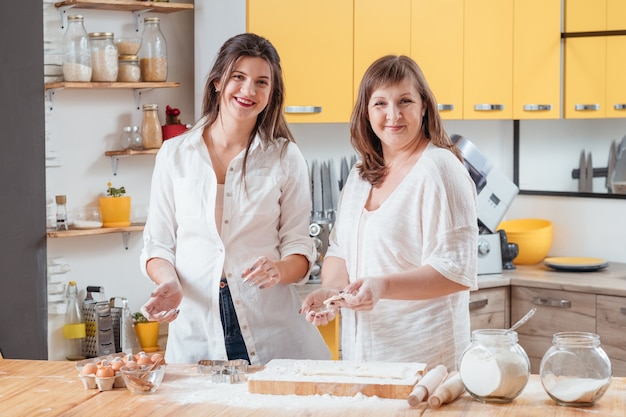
[[427, 385], [448, 391]]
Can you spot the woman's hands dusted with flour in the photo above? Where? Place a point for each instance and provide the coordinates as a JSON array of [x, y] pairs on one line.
[[263, 273]]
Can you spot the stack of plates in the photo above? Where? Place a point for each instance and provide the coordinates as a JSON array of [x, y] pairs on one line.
[[576, 264]]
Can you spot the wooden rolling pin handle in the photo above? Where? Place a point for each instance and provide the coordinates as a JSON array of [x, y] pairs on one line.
[[448, 391], [427, 385]]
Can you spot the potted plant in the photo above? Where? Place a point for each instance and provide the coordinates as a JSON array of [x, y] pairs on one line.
[[173, 126], [115, 207], [147, 332]]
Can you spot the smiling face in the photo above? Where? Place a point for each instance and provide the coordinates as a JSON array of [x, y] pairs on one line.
[[396, 113], [248, 89]]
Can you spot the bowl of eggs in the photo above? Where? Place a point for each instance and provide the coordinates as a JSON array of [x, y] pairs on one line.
[[145, 375]]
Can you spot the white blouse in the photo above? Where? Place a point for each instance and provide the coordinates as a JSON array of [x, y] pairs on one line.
[[267, 215], [429, 219]]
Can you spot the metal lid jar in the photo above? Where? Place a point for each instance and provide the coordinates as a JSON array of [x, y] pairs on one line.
[[494, 367], [76, 51], [128, 69], [153, 52], [103, 57], [151, 133], [575, 370]]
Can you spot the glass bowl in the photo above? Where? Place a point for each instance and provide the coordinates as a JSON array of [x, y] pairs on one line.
[[128, 46], [142, 380], [86, 218]]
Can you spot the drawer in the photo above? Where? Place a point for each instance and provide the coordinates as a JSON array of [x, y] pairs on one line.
[[611, 327], [557, 311], [489, 308]]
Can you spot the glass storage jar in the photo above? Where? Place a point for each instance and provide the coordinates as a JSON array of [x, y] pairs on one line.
[[151, 134], [103, 57], [76, 51], [153, 51], [494, 367], [128, 69], [575, 370]]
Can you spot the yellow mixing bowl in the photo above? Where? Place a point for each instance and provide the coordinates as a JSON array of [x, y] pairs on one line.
[[533, 237]]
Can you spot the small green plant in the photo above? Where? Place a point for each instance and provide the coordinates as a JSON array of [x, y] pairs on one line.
[[139, 318], [115, 192]]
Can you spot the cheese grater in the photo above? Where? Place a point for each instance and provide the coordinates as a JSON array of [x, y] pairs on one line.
[[102, 325]]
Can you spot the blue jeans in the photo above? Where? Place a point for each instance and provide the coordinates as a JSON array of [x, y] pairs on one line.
[[235, 345]]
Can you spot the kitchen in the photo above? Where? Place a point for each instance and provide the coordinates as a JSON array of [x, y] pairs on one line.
[[600, 235]]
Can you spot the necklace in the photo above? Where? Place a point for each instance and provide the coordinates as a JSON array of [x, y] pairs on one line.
[[212, 152]]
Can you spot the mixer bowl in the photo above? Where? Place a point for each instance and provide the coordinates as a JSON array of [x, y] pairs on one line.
[[533, 238]]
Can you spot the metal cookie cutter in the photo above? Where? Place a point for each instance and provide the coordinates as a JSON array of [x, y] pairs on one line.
[[228, 372]]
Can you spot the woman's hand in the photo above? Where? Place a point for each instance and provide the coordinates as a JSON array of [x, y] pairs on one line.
[[363, 294], [263, 273], [316, 311], [164, 301]]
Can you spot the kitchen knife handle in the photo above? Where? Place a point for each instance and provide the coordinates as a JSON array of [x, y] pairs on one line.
[[549, 302], [586, 107], [619, 106], [445, 107], [488, 107], [303, 109], [537, 107], [475, 305]]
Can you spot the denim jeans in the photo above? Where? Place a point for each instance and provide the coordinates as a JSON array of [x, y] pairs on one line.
[[235, 345]]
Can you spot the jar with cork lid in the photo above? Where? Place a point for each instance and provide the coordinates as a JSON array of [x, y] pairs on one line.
[[151, 133]]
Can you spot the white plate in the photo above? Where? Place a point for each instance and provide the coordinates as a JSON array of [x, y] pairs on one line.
[[576, 264]]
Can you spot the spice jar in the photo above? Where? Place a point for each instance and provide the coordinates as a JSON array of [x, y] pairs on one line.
[[152, 136], [494, 367], [128, 69], [575, 370], [76, 51], [103, 57], [153, 52], [136, 141]]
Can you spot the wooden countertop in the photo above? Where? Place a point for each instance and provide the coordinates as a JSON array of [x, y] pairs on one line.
[[52, 388]]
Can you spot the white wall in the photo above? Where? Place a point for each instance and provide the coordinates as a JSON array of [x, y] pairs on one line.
[[81, 127]]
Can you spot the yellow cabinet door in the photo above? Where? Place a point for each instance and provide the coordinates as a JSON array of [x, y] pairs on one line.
[[379, 31], [585, 78], [314, 40], [585, 15], [488, 69], [616, 15], [437, 47], [615, 79], [537, 59]]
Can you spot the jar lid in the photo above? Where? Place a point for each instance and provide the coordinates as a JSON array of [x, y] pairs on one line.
[[75, 17], [152, 19], [128, 58], [101, 35], [150, 106], [128, 128], [60, 199]]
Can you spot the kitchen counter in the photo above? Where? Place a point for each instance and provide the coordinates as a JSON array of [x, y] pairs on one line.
[[52, 388]]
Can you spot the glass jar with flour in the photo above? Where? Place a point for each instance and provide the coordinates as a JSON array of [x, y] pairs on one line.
[[494, 367], [575, 370]]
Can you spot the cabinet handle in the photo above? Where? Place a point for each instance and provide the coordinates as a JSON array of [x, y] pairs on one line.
[[586, 107], [488, 107], [537, 107], [540, 301], [619, 106], [475, 305], [622, 311], [445, 107], [303, 109]]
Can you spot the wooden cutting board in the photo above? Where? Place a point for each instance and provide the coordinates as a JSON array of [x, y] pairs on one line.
[[341, 378]]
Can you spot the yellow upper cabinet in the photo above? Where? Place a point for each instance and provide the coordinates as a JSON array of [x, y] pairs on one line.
[[585, 78], [488, 60], [537, 59], [585, 15], [314, 40], [379, 31], [437, 47]]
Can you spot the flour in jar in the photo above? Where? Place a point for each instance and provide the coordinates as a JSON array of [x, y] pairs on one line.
[[575, 390]]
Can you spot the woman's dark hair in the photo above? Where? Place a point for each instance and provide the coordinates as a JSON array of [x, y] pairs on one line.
[[388, 71], [271, 123]]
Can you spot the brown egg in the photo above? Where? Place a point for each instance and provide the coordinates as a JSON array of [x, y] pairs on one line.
[[117, 363], [89, 369], [144, 360], [105, 370], [131, 365], [156, 357]]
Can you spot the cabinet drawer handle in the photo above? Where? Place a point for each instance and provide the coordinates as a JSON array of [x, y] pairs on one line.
[[488, 107], [586, 107], [619, 106], [622, 311], [303, 109], [540, 301], [537, 107], [475, 305], [445, 107]]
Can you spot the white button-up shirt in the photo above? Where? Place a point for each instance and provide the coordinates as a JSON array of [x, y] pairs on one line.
[[267, 214]]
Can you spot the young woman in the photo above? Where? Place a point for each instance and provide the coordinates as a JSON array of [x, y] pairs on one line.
[[402, 253], [227, 231]]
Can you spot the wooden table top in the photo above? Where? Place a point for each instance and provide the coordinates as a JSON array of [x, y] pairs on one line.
[[52, 388]]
